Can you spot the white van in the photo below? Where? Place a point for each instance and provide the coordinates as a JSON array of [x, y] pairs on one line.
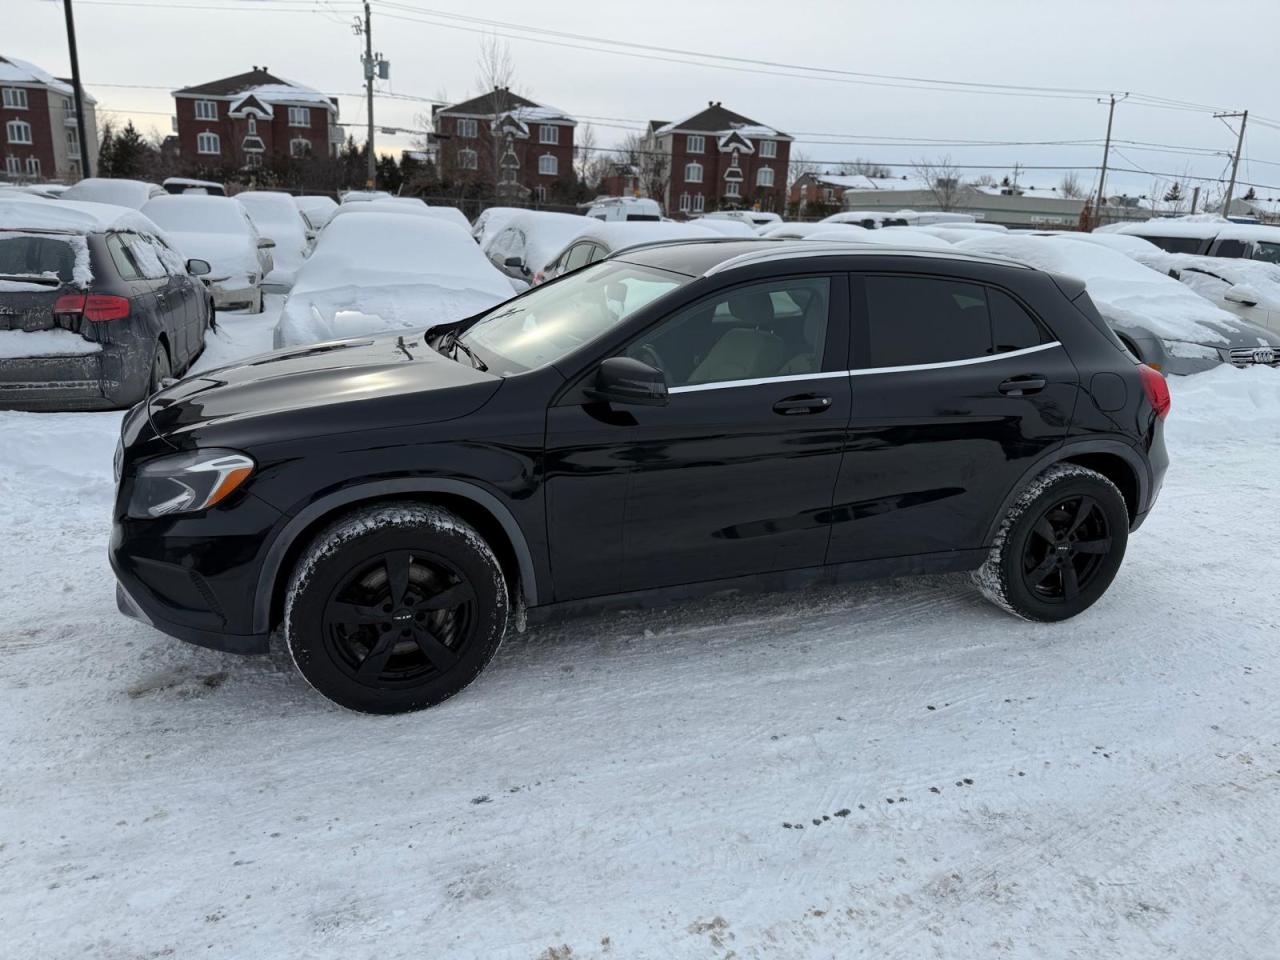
[[625, 208]]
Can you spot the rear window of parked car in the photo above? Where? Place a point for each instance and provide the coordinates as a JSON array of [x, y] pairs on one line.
[[29, 255], [915, 320]]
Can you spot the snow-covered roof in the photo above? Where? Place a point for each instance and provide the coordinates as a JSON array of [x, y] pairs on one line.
[[266, 87], [720, 121], [15, 72], [69, 216], [502, 102], [857, 181]]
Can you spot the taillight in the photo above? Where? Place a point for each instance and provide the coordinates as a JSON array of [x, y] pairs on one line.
[[97, 307], [1157, 390]]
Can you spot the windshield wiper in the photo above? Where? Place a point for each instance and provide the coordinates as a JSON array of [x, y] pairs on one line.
[[41, 278], [475, 361]]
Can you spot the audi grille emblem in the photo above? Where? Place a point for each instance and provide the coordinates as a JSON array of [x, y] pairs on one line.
[[1264, 355]]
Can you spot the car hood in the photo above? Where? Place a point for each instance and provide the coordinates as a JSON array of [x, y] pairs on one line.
[[1236, 331], [226, 253], [334, 387]]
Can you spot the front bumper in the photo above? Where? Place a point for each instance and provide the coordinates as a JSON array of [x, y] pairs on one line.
[[213, 639]]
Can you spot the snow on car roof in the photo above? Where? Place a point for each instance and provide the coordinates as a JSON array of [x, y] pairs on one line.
[[197, 213], [125, 193], [70, 216], [1196, 229], [1123, 290], [536, 236]]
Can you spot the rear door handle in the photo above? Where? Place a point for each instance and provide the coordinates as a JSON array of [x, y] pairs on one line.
[[1022, 386], [807, 403]]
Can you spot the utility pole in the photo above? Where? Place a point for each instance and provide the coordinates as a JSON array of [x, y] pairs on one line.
[[1235, 159], [85, 169], [1106, 153], [374, 66]]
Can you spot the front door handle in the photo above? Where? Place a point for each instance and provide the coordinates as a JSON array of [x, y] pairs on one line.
[[807, 403], [1022, 386]]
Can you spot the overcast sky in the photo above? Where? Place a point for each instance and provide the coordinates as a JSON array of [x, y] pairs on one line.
[[1186, 51]]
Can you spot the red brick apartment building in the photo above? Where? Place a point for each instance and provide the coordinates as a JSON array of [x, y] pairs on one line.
[[39, 138], [243, 120]]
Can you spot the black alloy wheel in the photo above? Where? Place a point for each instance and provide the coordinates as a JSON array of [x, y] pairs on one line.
[[399, 619], [1066, 549]]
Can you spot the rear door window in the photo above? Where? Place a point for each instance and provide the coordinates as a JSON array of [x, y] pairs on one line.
[[921, 320], [1230, 248]]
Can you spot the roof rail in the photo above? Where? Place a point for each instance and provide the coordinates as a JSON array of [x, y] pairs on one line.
[[806, 249]]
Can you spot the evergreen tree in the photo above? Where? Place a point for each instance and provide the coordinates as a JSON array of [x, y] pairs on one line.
[[106, 151], [130, 153], [1251, 195], [1175, 193]]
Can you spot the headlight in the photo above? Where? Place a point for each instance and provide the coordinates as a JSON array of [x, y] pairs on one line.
[[187, 482]]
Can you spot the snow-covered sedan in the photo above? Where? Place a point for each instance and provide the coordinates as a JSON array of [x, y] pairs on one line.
[[219, 231], [380, 272], [278, 219], [120, 192]]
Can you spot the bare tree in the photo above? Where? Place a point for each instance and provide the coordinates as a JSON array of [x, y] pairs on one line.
[[943, 180], [859, 167], [800, 165], [652, 166], [496, 73], [588, 160], [1069, 186]]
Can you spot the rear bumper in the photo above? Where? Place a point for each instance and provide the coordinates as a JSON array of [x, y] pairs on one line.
[[229, 297], [72, 382]]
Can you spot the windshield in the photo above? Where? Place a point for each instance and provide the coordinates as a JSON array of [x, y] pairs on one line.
[[552, 321], [1270, 252]]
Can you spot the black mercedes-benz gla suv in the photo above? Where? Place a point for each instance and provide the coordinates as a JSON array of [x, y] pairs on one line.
[[681, 418]]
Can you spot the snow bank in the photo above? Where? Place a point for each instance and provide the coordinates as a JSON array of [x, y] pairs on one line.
[[43, 343], [1124, 291], [383, 271], [1225, 403]]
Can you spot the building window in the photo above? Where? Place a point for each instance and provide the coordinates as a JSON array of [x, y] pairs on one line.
[[733, 159], [468, 129], [33, 166], [828, 194], [733, 189], [467, 160], [206, 109], [253, 160], [73, 143], [699, 203], [208, 143], [12, 166], [299, 116], [18, 131], [695, 144], [693, 173], [253, 126], [15, 98], [548, 165], [768, 149], [764, 177], [540, 193], [684, 203], [299, 147], [548, 133]]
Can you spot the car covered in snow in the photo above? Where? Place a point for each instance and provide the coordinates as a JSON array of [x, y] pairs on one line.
[[1248, 288], [756, 219], [1206, 237], [408, 206], [624, 208], [529, 239], [121, 193], [217, 230], [675, 421], [187, 185], [317, 210], [378, 272], [97, 309], [726, 228], [278, 219], [612, 237], [1159, 320]]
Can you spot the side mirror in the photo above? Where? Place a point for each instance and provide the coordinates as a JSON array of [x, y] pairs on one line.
[[199, 268], [265, 244], [624, 380], [1242, 294]]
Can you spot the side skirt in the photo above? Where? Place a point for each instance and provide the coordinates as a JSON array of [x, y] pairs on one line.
[[951, 561]]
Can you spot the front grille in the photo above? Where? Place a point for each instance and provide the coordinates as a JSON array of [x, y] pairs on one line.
[[1250, 356]]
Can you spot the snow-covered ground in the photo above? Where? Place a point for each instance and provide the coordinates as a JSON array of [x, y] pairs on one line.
[[886, 770]]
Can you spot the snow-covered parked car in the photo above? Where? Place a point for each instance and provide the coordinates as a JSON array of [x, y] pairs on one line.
[[529, 239], [490, 221], [278, 219], [186, 185], [408, 206], [383, 271], [603, 240], [96, 308], [122, 193], [317, 210], [1248, 288], [1164, 324], [625, 208], [788, 230], [217, 230], [726, 228]]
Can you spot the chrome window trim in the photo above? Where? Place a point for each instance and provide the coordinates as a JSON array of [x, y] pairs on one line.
[[866, 371]]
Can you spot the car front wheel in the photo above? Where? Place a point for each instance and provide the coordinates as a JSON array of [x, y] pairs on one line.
[[1059, 547], [395, 607]]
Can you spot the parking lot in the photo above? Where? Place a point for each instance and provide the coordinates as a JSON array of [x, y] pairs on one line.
[[892, 768]]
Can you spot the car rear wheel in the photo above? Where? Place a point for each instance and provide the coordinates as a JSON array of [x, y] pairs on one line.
[[161, 369], [394, 608], [1059, 546]]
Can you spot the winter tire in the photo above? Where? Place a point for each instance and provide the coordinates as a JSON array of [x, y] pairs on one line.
[[161, 369], [395, 607], [1059, 546]]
